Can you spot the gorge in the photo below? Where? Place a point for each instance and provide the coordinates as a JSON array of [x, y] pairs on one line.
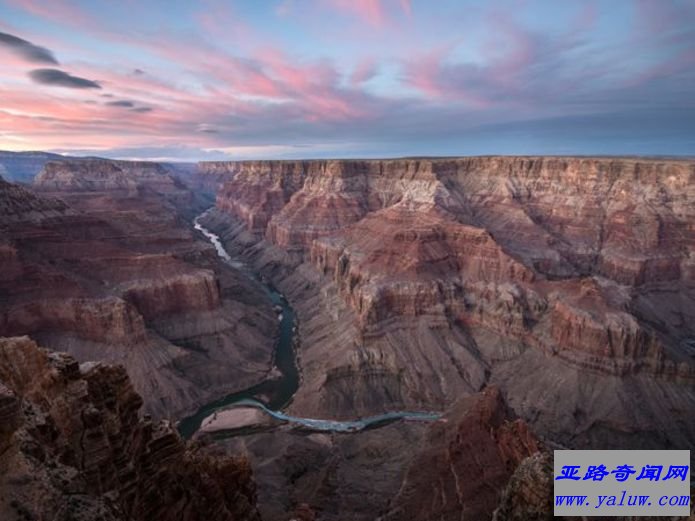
[[494, 264], [519, 303], [347, 260], [282, 389]]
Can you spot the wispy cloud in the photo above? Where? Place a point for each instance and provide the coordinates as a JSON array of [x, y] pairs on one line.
[[386, 76], [208, 129], [364, 71], [372, 12]]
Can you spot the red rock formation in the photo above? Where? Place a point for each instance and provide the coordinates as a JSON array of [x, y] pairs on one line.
[[465, 462], [429, 257], [90, 319], [18, 205], [118, 276], [570, 211], [95, 175], [417, 280], [78, 450], [260, 189], [411, 237], [211, 175]]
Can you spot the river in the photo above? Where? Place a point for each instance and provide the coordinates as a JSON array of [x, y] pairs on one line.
[[272, 395]]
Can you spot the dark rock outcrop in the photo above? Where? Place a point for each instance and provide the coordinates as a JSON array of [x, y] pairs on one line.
[[529, 494], [77, 449], [465, 462]]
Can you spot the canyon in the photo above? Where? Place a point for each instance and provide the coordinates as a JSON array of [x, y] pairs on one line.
[[531, 302], [100, 263], [567, 282]]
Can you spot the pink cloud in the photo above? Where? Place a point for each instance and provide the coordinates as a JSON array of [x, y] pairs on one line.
[[364, 71], [219, 21], [58, 11], [373, 12], [433, 76], [306, 91], [511, 52]]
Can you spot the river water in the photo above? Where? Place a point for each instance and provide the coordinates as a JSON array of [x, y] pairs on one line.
[[274, 394]]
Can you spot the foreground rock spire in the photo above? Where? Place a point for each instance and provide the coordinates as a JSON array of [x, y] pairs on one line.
[[74, 447]]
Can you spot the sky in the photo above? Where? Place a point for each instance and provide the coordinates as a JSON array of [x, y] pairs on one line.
[[253, 79]]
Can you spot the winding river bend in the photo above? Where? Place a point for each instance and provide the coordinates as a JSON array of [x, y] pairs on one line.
[[272, 395]]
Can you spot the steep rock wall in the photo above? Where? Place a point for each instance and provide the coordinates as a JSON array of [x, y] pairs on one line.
[[424, 278], [74, 447]]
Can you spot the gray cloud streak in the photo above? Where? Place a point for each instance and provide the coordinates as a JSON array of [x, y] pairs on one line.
[[58, 78], [26, 50], [121, 103]]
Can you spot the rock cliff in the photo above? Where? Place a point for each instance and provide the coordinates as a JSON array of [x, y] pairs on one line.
[[211, 175], [74, 447], [465, 462], [109, 274], [22, 167], [96, 175], [17, 204], [438, 275]]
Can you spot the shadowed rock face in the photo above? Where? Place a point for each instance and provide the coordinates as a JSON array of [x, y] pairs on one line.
[[404, 471], [337, 476], [17, 204], [73, 447], [465, 462], [528, 496], [115, 274], [568, 282], [103, 174], [22, 167]]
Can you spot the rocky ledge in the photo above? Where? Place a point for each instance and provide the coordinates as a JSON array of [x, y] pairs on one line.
[[74, 447]]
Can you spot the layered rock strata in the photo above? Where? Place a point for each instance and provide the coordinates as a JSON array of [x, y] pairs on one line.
[[465, 462], [95, 175], [111, 274], [74, 447], [418, 280]]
